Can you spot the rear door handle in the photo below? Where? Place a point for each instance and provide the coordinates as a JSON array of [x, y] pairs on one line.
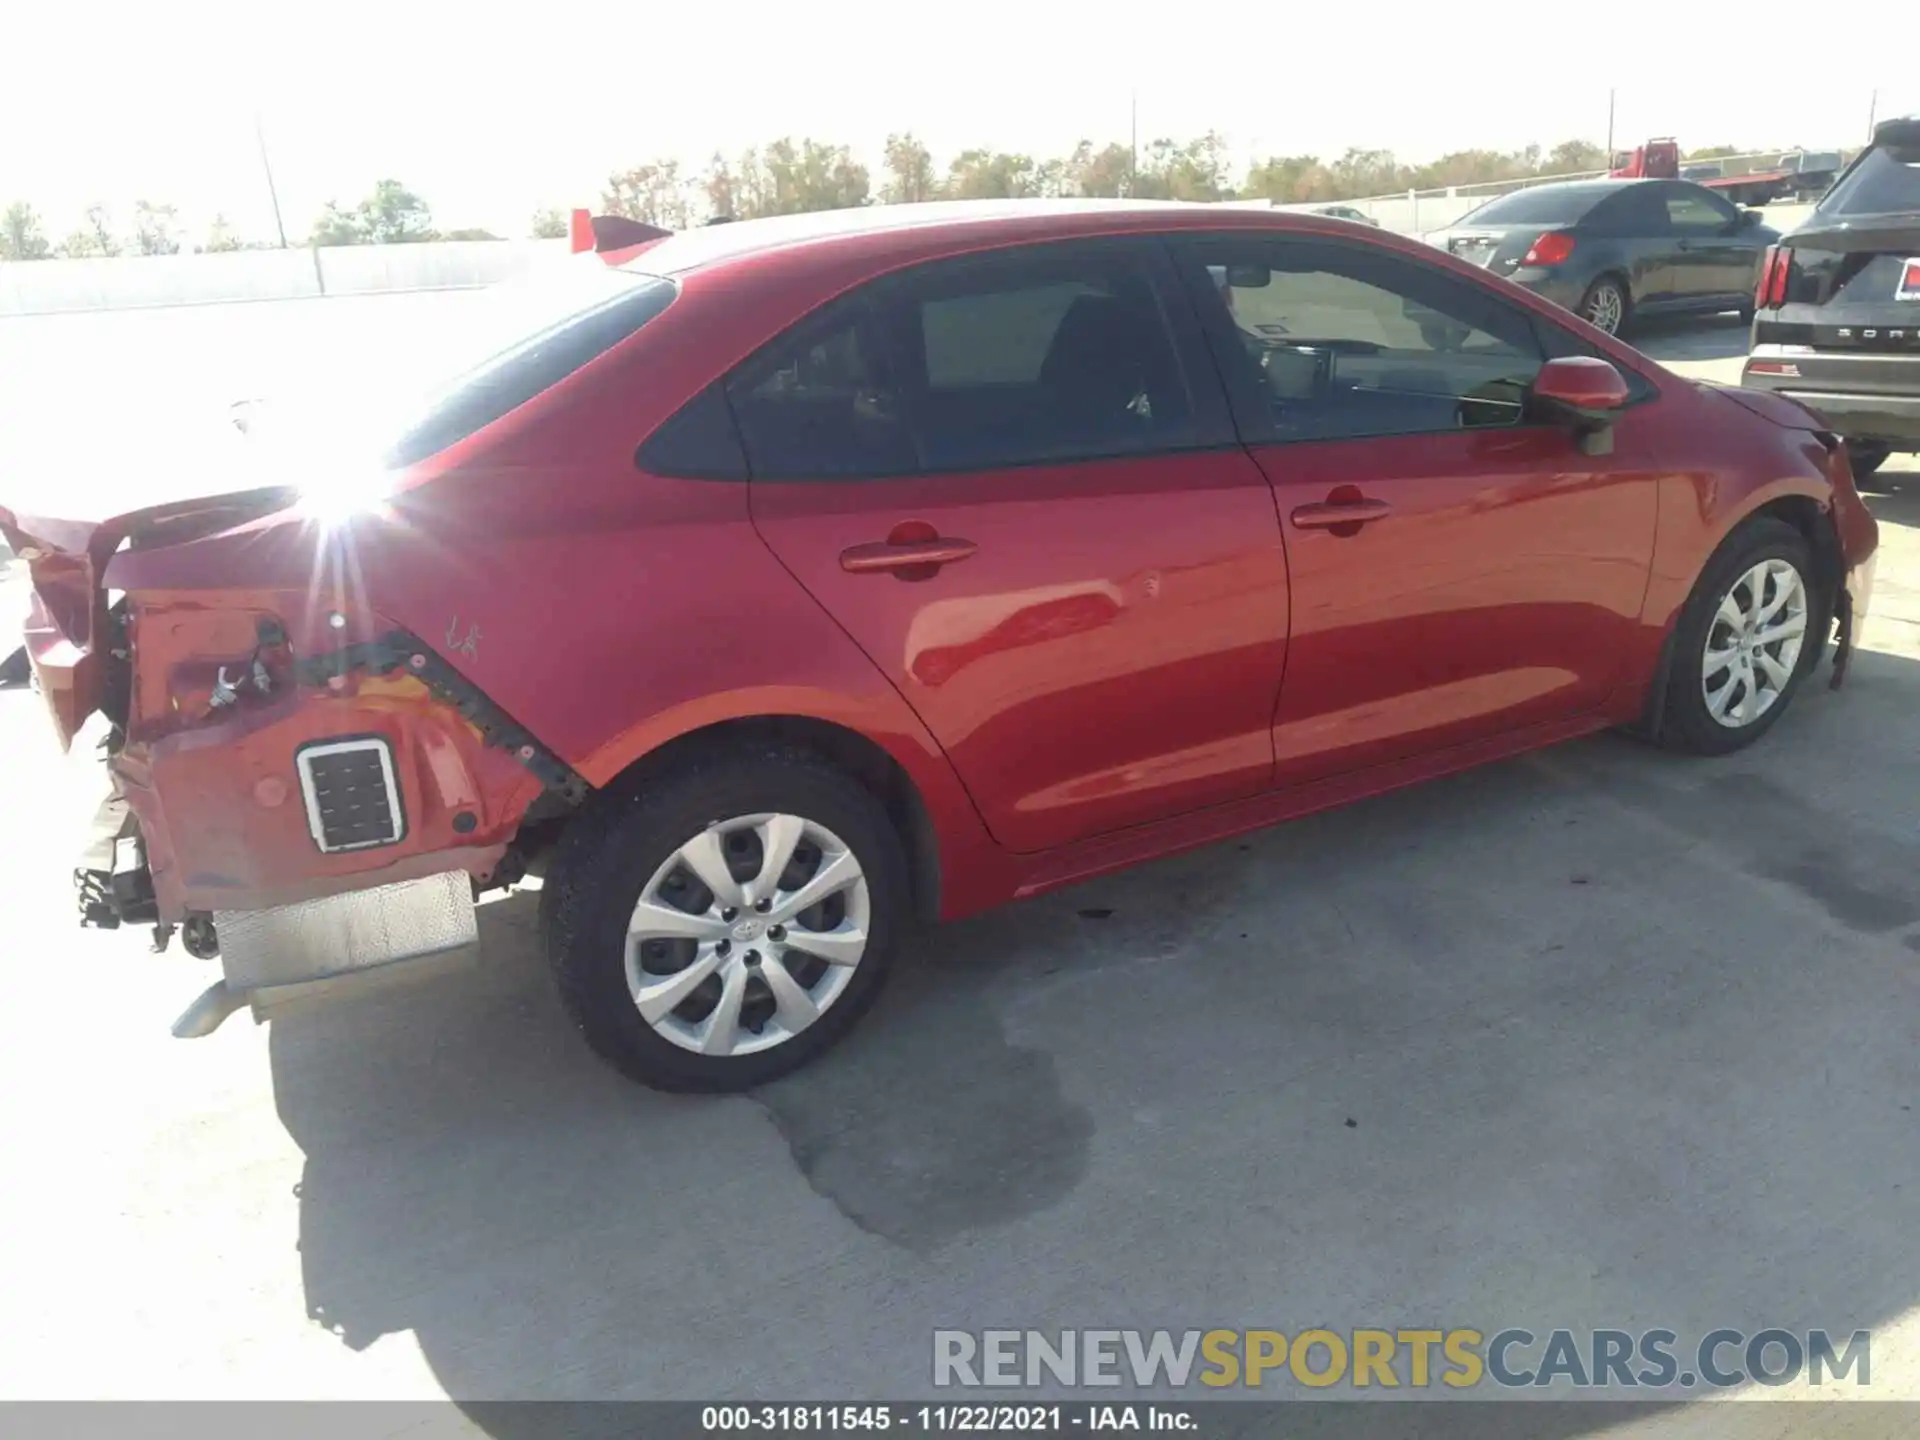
[[1345, 512], [884, 555]]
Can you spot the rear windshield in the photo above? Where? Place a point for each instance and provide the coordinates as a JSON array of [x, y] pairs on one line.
[[1885, 182], [1548, 205], [532, 335]]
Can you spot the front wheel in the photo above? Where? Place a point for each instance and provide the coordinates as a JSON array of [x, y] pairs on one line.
[[728, 924], [1742, 642], [1605, 305]]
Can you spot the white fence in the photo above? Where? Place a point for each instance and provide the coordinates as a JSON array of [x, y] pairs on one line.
[[51, 287], [1415, 212]]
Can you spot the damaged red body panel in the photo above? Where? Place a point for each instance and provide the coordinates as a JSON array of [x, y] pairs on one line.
[[214, 784]]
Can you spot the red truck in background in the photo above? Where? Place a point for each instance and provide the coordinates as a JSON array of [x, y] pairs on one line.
[[1798, 173]]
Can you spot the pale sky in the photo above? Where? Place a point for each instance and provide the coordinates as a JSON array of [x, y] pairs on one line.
[[492, 112]]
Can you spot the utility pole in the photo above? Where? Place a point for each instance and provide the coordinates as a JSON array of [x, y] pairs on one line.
[[272, 194], [1873, 112], [1133, 143], [1609, 129]]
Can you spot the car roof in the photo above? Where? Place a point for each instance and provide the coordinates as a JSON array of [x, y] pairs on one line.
[[976, 220], [1600, 185]]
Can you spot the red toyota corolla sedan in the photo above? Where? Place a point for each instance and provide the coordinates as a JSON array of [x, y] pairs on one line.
[[791, 581]]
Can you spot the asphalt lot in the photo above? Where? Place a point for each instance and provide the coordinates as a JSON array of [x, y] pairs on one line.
[[1596, 1038]]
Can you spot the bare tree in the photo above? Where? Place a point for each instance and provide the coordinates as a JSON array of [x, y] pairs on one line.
[[910, 177], [153, 229], [21, 235], [653, 194], [220, 238]]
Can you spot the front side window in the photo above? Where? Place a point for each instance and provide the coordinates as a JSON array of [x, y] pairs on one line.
[[1341, 341], [1697, 211]]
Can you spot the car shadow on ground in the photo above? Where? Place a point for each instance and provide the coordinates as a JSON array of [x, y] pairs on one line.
[[1599, 1037], [1691, 337], [1893, 492]]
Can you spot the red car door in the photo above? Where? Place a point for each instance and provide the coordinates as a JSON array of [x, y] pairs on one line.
[[1457, 571], [1000, 477]]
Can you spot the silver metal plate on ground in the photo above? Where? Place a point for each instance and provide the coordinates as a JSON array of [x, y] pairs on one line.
[[319, 940]]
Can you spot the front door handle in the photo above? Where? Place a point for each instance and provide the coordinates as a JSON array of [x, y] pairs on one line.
[[1340, 512], [908, 555]]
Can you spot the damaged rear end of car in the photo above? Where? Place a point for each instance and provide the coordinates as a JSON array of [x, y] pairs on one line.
[[294, 778], [291, 781]]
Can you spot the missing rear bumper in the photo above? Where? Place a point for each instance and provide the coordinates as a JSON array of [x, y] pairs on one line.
[[330, 948]]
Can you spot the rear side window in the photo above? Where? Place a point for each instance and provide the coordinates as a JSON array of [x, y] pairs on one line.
[[995, 338], [1636, 210], [821, 403], [1546, 205], [1885, 182], [1050, 353], [558, 328]]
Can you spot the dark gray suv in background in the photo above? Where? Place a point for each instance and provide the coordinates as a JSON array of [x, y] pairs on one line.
[[1837, 312]]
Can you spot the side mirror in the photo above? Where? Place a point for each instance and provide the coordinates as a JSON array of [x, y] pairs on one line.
[[1749, 219], [1584, 393]]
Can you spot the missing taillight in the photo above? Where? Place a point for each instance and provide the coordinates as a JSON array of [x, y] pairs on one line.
[[1550, 249]]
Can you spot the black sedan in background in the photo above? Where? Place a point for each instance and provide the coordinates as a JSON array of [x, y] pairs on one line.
[[1614, 250]]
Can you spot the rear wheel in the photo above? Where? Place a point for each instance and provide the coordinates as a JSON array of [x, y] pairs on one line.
[[1741, 645], [1867, 456], [1605, 306], [727, 925]]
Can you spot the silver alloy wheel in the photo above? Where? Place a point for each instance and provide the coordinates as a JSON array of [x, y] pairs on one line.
[[1753, 644], [1605, 307], [746, 934]]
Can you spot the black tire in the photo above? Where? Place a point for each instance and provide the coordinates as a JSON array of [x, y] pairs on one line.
[[15, 669], [1687, 724], [1867, 456], [613, 848], [1590, 304]]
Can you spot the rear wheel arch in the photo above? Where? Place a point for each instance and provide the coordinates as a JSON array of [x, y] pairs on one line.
[[854, 754]]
